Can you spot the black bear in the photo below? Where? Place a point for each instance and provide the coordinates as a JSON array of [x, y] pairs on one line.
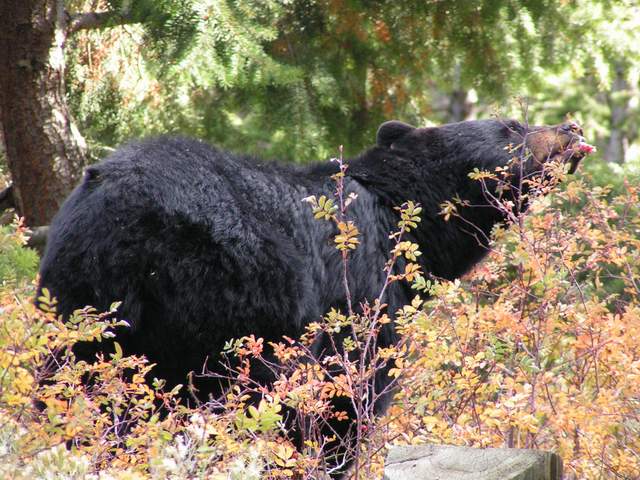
[[201, 245]]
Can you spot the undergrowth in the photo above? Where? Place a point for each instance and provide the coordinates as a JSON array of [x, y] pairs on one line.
[[536, 348]]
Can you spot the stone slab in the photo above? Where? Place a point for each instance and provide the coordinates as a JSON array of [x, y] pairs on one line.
[[447, 462]]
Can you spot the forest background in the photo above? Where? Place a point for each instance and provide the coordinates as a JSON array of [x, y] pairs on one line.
[[294, 80]]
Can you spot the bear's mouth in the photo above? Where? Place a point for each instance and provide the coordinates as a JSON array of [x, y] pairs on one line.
[[572, 157], [562, 144], [574, 153]]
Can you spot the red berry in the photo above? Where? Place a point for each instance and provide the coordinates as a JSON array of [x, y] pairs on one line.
[[586, 148]]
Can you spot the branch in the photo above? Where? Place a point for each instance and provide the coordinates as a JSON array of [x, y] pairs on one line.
[[95, 20], [6, 199]]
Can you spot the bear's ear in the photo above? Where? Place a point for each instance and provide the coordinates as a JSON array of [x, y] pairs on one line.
[[391, 131]]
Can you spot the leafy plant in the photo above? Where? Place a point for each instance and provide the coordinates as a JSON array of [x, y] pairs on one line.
[[18, 263], [534, 348]]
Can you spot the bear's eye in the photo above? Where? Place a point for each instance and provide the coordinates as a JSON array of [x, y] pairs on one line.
[[571, 128]]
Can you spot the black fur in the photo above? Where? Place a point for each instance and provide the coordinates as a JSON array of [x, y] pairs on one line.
[[201, 245], [391, 131]]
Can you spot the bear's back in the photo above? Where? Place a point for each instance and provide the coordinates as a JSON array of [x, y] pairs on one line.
[[192, 241]]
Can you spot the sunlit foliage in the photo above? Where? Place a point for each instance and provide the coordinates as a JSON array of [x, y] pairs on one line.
[[537, 348], [294, 78]]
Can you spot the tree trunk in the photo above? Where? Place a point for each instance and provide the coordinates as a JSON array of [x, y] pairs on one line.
[[615, 150], [45, 152], [459, 107]]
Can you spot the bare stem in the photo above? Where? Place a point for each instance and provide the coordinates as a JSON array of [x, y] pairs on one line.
[[343, 216]]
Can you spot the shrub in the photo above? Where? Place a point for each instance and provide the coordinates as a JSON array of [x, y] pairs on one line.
[[18, 263], [537, 348]]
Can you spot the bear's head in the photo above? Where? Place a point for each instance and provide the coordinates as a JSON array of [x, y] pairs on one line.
[[485, 144], [432, 166]]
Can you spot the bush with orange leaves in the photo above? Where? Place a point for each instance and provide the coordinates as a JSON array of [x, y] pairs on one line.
[[537, 347]]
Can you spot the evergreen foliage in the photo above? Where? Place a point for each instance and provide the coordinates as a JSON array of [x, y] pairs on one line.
[[294, 79]]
